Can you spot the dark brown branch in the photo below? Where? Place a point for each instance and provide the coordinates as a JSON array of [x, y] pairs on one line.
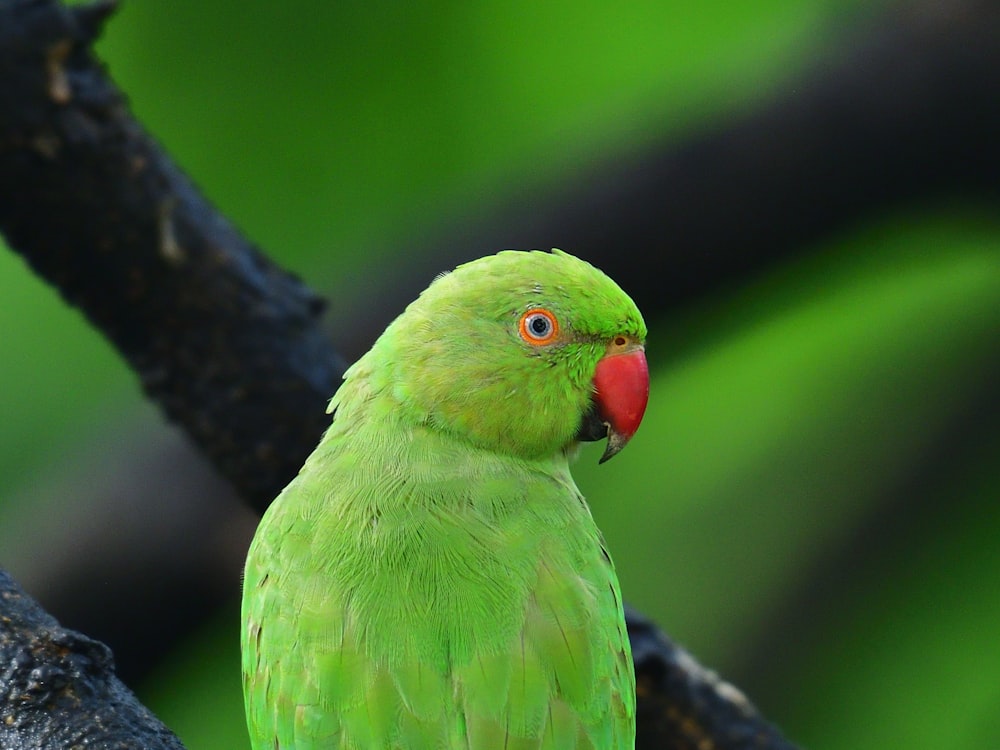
[[682, 706], [225, 341], [58, 688]]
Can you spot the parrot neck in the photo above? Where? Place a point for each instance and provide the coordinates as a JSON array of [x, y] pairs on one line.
[[509, 417], [395, 447]]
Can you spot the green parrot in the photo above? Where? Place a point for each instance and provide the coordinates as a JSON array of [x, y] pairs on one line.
[[433, 578]]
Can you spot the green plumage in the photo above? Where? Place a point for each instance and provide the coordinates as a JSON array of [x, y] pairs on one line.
[[433, 578]]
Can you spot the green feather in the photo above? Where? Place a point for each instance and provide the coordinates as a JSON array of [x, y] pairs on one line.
[[433, 578]]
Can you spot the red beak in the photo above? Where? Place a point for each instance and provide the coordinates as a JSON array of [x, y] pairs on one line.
[[621, 384]]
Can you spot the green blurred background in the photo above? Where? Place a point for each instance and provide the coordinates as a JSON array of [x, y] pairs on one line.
[[771, 515]]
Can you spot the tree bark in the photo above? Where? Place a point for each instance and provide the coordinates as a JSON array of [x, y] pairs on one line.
[[228, 344], [58, 688]]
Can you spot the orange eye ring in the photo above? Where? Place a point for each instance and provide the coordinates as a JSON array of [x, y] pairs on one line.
[[538, 327]]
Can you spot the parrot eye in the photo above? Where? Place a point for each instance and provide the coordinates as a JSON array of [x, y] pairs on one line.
[[538, 327]]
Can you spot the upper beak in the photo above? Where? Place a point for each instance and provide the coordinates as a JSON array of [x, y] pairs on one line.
[[621, 391]]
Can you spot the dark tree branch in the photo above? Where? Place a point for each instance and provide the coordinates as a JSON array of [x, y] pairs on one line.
[[58, 688], [683, 706], [227, 343]]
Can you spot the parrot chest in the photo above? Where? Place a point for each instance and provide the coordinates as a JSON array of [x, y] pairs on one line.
[[456, 580], [415, 608]]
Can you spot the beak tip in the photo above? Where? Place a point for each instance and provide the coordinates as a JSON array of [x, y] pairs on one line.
[[616, 441]]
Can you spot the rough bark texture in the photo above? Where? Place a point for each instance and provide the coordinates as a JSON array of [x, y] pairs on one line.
[[227, 343], [683, 706], [58, 688]]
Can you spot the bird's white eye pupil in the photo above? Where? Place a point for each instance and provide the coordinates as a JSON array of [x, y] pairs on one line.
[[540, 326]]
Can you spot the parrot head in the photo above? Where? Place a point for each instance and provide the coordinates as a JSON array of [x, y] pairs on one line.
[[522, 352]]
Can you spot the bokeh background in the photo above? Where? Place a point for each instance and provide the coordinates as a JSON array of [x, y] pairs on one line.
[[811, 505]]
